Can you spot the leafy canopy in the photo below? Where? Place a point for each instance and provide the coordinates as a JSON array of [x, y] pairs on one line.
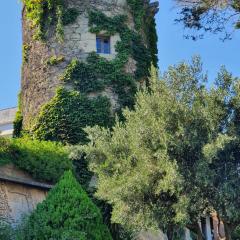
[[154, 169]]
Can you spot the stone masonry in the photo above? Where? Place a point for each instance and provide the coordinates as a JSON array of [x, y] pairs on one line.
[[39, 81], [19, 194]]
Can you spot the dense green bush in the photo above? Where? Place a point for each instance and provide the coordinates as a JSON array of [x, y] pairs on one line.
[[67, 213], [65, 116], [236, 233], [45, 161], [5, 151]]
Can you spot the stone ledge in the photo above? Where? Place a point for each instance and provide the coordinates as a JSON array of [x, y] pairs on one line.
[[25, 182], [9, 173]]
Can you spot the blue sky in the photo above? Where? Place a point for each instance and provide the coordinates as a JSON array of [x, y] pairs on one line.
[[172, 48]]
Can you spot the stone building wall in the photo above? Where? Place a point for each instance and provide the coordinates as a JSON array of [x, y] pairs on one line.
[[39, 81], [19, 194]]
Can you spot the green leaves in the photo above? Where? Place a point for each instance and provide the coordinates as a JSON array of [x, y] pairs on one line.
[[164, 166], [135, 172], [67, 213], [65, 116], [217, 17], [44, 13], [45, 161]]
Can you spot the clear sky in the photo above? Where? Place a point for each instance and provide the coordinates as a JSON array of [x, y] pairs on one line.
[[172, 48]]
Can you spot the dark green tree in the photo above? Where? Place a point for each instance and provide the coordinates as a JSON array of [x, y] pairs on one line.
[[66, 214]]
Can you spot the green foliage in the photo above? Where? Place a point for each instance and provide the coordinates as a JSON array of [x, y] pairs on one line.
[[131, 44], [54, 60], [65, 116], [136, 175], [84, 177], [70, 16], [217, 17], [67, 213], [18, 121], [45, 161], [44, 13], [99, 21], [83, 76], [147, 23], [6, 232], [81, 170], [25, 52], [5, 151], [155, 164], [236, 234], [138, 11], [152, 38], [96, 74]]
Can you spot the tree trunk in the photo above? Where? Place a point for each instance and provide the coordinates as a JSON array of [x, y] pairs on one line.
[[199, 234], [228, 231], [170, 234], [196, 229]]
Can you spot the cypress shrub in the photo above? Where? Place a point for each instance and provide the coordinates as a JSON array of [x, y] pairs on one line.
[[67, 213]]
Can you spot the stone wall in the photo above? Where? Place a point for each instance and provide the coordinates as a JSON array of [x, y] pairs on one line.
[[19, 194], [39, 81]]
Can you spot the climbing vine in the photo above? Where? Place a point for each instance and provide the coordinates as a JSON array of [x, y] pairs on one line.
[[54, 60], [152, 38], [147, 23], [44, 13], [25, 52], [18, 121], [97, 73], [138, 12], [65, 116]]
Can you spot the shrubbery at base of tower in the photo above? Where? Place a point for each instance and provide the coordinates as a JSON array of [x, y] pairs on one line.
[[65, 116], [45, 161], [67, 213]]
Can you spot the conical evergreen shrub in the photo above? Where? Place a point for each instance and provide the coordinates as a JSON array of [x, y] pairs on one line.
[[66, 214]]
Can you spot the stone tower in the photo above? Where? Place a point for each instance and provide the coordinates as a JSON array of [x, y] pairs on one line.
[[100, 48]]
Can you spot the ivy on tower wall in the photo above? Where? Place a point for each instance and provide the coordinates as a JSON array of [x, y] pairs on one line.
[[65, 116], [43, 13]]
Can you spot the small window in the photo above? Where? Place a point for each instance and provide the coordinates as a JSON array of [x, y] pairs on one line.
[[103, 45]]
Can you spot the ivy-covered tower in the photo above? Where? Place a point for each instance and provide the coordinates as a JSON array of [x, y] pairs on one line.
[[82, 62]]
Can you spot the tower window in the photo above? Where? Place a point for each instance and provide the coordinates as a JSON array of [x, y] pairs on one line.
[[103, 44]]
